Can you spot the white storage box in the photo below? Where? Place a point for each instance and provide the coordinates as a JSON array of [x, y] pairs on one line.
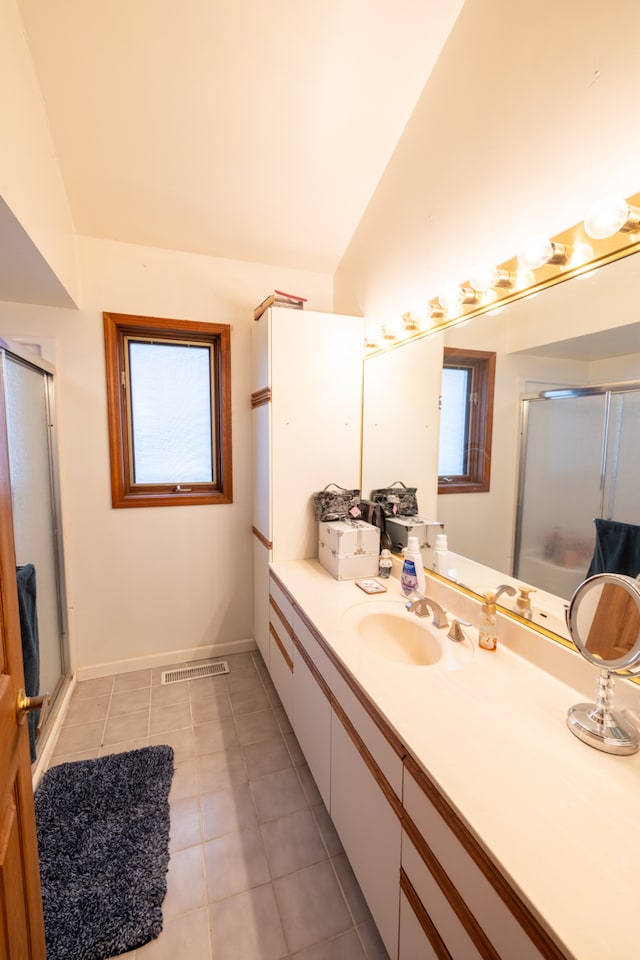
[[349, 549], [401, 528]]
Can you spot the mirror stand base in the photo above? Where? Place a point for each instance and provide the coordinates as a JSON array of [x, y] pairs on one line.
[[606, 731]]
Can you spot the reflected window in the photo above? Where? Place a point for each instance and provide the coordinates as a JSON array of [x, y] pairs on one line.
[[466, 420]]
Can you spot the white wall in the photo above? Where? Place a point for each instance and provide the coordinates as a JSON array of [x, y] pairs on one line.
[[158, 584], [30, 181], [526, 120]]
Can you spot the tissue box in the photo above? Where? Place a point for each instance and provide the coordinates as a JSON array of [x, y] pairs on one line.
[[401, 528], [349, 549]]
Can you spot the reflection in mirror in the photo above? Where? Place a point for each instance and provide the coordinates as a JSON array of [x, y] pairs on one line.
[[582, 445], [604, 622], [578, 334]]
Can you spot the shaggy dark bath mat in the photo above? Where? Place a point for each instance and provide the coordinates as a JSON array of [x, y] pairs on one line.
[[103, 840]]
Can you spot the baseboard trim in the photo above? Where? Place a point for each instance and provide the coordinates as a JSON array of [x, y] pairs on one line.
[[45, 750], [167, 659]]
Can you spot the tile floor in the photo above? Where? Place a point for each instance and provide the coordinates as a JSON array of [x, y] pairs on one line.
[[257, 871]]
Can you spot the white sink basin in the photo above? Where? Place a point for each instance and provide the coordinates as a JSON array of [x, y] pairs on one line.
[[388, 630]]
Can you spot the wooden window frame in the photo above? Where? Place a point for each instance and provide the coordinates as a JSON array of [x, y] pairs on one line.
[[482, 364], [124, 493]]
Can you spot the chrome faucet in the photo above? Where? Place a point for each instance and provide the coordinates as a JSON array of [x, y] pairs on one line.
[[505, 588], [456, 633], [422, 605]]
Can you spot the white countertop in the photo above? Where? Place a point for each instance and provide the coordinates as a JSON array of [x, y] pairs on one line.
[[557, 816]]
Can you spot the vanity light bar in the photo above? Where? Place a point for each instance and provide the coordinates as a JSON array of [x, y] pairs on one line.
[[610, 231]]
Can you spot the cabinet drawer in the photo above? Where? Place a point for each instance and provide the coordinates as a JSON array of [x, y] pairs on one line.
[[280, 602], [449, 922], [281, 664], [418, 938], [466, 877], [385, 749], [281, 646]]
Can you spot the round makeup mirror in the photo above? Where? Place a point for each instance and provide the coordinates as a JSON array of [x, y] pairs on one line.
[[604, 623]]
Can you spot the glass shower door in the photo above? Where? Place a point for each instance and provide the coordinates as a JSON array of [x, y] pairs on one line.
[[560, 490], [621, 500], [35, 508]]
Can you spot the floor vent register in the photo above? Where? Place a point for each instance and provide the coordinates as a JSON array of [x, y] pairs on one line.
[[213, 669]]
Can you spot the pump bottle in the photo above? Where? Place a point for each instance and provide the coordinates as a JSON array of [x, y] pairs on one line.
[[487, 632], [412, 577]]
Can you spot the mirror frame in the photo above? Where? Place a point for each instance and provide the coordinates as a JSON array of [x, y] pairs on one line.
[[630, 662]]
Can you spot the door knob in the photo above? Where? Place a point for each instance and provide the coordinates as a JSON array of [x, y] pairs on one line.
[[27, 705]]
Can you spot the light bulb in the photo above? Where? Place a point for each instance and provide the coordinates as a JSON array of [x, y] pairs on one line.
[[391, 329], [421, 310], [484, 276], [610, 215], [453, 297], [539, 250], [410, 321]]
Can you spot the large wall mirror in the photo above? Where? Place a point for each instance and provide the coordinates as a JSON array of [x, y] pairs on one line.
[[558, 461]]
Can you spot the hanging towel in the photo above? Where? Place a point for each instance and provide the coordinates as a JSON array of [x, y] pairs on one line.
[[617, 548], [26, 577]]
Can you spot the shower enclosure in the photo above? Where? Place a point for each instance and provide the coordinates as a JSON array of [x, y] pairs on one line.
[[579, 459], [28, 385]]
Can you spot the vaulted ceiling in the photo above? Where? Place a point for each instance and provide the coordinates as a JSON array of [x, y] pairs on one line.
[[250, 129]]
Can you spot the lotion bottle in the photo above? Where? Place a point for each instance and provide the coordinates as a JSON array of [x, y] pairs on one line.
[[487, 632], [441, 558], [412, 577]]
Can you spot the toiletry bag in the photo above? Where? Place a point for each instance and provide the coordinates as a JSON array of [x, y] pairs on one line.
[[397, 500], [336, 503]]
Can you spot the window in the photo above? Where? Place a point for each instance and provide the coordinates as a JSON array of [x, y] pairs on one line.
[[466, 420], [169, 406]]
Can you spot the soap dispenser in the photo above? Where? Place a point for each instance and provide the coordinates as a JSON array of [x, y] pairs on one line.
[[488, 619], [412, 577], [487, 632]]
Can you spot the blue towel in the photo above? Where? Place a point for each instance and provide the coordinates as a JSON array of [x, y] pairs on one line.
[[30, 643], [617, 548]]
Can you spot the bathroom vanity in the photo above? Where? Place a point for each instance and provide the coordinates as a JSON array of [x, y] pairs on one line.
[[477, 825]]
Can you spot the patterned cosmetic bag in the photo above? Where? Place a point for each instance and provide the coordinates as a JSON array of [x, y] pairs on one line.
[[397, 500], [336, 503]]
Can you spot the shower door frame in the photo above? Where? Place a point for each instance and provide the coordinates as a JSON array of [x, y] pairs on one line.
[[607, 390], [28, 358]]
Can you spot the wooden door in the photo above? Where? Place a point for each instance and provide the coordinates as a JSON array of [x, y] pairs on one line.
[[21, 921]]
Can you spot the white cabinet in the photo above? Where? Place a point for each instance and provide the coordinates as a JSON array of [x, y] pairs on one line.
[[306, 371], [369, 828], [281, 646], [417, 939], [312, 724], [261, 599], [458, 890]]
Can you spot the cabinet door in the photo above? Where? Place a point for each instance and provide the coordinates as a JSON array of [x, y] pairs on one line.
[[369, 829], [260, 353], [414, 944], [476, 912], [281, 646], [261, 598], [315, 419], [312, 712], [261, 437], [281, 665]]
